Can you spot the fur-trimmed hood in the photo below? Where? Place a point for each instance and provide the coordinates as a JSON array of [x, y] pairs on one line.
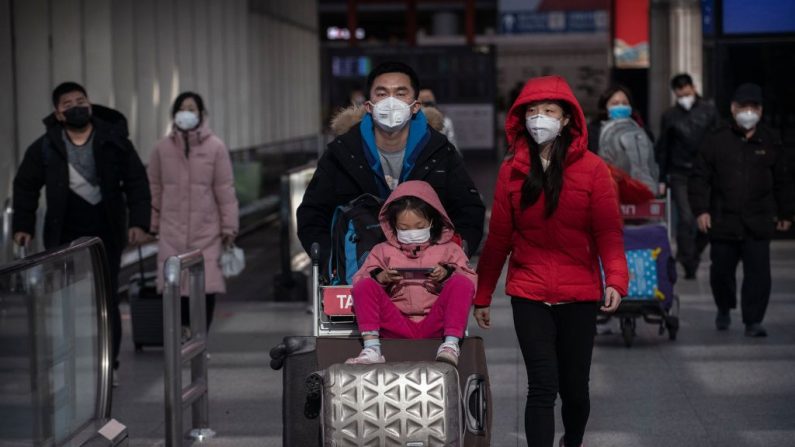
[[348, 117]]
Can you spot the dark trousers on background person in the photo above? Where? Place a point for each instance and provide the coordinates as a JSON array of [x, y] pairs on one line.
[[556, 343], [690, 242], [755, 292], [209, 306]]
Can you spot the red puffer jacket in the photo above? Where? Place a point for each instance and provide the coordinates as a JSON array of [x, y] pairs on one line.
[[553, 259]]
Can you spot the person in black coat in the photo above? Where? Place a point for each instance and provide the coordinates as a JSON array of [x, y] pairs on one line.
[[742, 192], [682, 129], [380, 145], [95, 184]]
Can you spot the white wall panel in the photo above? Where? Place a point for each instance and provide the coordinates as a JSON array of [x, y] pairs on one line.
[[31, 27], [125, 99], [8, 156], [201, 54], [98, 57], [66, 26], [243, 90], [185, 40], [147, 86], [231, 71], [167, 71], [258, 70]]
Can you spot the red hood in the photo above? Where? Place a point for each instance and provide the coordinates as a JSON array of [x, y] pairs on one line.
[[537, 89], [421, 190]]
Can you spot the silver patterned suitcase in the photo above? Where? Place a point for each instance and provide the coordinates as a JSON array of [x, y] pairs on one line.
[[407, 404]]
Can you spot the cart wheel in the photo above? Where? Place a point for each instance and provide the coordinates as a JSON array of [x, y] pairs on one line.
[[628, 331], [139, 347], [673, 327]]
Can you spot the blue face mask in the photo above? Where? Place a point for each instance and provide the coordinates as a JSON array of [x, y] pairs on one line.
[[619, 112]]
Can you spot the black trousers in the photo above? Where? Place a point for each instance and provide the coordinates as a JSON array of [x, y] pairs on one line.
[[209, 306], [556, 343], [755, 292], [690, 242]]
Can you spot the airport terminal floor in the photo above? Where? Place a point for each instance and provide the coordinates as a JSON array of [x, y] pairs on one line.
[[707, 388]]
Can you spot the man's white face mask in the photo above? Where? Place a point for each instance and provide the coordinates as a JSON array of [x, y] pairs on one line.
[[686, 101], [391, 114]]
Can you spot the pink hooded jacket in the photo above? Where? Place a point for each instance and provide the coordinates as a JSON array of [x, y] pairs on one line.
[[411, 296], [193, 200]]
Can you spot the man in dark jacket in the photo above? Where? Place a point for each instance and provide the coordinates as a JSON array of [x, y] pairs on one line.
[[93, 177], [681, 132], [742, 192], [392, 143]]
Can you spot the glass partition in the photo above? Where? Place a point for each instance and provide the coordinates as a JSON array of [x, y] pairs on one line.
[[54, 351]]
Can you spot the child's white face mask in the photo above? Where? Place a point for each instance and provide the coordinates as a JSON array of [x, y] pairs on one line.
[[414, 236]]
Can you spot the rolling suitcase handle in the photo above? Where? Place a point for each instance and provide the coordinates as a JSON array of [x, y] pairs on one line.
[[475, 418]]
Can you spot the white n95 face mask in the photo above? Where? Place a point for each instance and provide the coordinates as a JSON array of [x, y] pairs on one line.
[[414, 236], [543, 128], [391, 114], [686, 101], [186, 120], [747, 119]]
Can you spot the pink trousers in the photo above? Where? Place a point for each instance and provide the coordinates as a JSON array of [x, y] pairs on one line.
[[375, 311]]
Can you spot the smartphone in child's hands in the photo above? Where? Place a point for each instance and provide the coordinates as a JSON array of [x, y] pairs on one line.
[[413, 273]]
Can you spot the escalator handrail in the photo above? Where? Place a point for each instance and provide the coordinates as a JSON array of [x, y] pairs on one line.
[[102, 286]]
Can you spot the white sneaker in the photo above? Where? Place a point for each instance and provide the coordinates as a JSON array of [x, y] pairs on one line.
[[448, 352], [368, 356]]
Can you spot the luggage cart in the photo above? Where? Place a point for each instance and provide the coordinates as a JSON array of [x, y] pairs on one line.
[[664, 312]]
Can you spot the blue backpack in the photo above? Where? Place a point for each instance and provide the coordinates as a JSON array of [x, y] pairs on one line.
[[355, 230]]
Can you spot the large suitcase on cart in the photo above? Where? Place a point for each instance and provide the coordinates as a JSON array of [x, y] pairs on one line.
[[300, 357], [404, 403]]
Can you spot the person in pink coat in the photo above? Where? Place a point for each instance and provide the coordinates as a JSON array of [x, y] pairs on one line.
[[391, 303], [193, 196]]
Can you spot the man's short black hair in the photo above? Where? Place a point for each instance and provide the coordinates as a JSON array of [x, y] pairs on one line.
[[393, 67], [681, 80], [64, 88]]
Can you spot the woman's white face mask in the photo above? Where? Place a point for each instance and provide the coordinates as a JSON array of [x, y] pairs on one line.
[[414, 236], [186, 120], [543, 128], [391, 114]]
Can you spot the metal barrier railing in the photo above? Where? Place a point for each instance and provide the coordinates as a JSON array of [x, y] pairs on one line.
[[57, 371], [193, 350]]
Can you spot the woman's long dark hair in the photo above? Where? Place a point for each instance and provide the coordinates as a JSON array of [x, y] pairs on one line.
[[419, 206], [549, 181]]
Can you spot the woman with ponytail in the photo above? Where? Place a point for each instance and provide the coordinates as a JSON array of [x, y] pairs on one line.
[[555, 213]]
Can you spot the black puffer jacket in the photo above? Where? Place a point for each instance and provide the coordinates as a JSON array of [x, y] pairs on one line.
[[681, 133], [745, 185], [122, 179], [343, 174]]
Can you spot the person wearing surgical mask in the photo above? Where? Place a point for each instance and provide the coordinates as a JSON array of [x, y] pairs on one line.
[[376, 148], [556, 216], [618, 136], [95, 187], [742, 193], [682, 129], [416, 284], [194, 205]]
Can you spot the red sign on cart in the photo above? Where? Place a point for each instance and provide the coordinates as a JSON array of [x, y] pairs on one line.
[[337, 301], [654, 209]]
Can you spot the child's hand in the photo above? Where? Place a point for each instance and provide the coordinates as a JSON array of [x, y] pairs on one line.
[[438, 274], [388, 276]]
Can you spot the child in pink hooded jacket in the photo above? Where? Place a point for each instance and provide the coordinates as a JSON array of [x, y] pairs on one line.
[[390, 304]]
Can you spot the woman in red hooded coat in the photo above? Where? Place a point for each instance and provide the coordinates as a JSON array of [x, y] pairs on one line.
[[556, 214]]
